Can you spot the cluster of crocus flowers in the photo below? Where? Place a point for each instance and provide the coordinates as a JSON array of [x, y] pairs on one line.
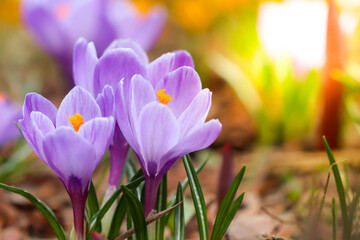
[[160, 110], [71, 140], [56, 25], [160, 106], [10, 113]]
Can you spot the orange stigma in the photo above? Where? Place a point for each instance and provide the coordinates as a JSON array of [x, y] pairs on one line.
[[76, 121], [163, 97], [62, 11], [2, 97]]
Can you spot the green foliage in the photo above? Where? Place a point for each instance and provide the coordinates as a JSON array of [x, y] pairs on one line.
[[340, 190], [44, 209], [135, 209], [198, 198], [161, 206], [179, 219], [228, 207]]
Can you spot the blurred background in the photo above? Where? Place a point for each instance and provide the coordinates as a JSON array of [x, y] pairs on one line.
[[282, 73]]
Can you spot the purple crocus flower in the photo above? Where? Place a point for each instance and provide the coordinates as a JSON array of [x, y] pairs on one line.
[[121, 60], [71, 140], [10, 113], [163, 118], [57, 24]]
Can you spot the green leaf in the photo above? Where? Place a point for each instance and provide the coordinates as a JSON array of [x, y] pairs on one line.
[[353, 208], [340, 190], [134, 182], [198, 198], [101, 213], [118, 218], [93, 205], [161, 205], [137, 214], [129, 223], [334, 219], [149, 220], [228, 208], [184, 185], [179, 219], [44, 209]]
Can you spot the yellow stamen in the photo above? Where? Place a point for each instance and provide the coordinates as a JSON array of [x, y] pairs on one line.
[[163, 97], [62, 11], [76, 121]]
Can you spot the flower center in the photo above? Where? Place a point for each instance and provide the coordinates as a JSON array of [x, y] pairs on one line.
[[163, 97], [2, 97], [62, 11], [76, 121]]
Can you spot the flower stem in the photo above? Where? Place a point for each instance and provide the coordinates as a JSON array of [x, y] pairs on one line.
[[151, 189]]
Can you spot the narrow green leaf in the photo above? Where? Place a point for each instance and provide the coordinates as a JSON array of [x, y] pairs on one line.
[[43, 208], [198, 198], [137, 214], [184, 185], [334, 219], [149, 220], [118, 218], [93, 205], [129, 223], [101, 213], [179, 219], [134, 182], [228, 208], [228, 218], [161, 205], [353, 208], [340, 190]]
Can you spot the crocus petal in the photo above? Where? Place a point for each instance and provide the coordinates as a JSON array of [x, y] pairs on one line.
[[84, 61], [166, 63], [79, 101], [199, 139], [68, 154], [149, 27], [86, 19], [42, 125], [142, 93], [182, 85], [106, 102], [157, 132], [8, 129], [115, 65], [128, 43], [36, 102], [99, 132], [45, 28], [196, 113], [123, 117]]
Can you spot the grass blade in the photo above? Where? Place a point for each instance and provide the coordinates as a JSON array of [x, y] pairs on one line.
[[43, 208], [340, 190], [353, 208], [136, 211], [228, 208], [118, 218], [334, 219], [179, 219], [161, 205], [198, 198], [134, 183], [184, 185], [93, 205]]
